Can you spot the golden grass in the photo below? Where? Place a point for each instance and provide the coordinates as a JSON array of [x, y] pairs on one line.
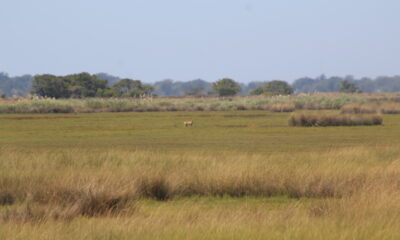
[[91, 177], [350, 193], [390, 107], [357, 108], [64, 178]]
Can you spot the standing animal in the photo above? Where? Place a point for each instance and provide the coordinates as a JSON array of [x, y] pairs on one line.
[[188, 123]]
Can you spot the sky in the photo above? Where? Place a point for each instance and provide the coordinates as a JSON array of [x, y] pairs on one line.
[[247, 40]]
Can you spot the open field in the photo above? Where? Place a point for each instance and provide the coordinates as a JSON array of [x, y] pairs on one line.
[[233, 175]]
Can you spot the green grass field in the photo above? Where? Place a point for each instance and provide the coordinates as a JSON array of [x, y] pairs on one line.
[[233, 175], [242, 131]]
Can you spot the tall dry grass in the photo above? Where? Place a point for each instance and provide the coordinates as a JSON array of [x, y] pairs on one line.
[[339, 194], [64, 185], [377, 107], [333, 119]]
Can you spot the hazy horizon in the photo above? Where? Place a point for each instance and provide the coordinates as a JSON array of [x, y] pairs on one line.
[[247, 40]]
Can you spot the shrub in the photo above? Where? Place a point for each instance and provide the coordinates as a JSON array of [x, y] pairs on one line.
[[275, 87], [324, 120], [226, 87]]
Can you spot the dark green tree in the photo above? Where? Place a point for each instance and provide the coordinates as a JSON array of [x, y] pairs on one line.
[[275, 87], [196, 91], [50, 86], [226, 87], [76, 86], [131, 88], [84, 85], [348, 87]]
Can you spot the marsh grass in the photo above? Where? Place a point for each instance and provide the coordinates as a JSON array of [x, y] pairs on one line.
[[375, 107], [235, 175], [191, 196], [83, 189], [356, 108], [333, 119], [273, 103]]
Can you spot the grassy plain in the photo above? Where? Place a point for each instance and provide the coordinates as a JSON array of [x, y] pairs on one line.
[[233, 175]]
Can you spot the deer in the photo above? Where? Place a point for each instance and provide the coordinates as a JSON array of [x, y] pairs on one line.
[[188, 123]]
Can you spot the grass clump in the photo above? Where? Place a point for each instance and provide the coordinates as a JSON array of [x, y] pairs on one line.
[[6, 198], [377, 107], [60, 206], [390, 108], [333, 119], [359, 108], [156, 188]]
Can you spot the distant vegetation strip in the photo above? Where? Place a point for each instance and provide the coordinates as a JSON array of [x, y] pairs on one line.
[[272, 103], [14, 86]]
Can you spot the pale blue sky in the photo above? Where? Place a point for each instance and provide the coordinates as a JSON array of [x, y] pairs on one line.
[[247, 40]]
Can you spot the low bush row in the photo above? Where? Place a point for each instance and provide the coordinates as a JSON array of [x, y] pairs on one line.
[[272, 103]]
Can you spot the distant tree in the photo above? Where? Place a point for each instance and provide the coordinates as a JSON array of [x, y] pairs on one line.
[[3, 96], [348, 87], [15, 86], [76, 85], [194, 88], [226, 87], [106, 93], [164, 88], [84, 85], [319, 84], [247, 88], [111, 80], [50, 86], [131, 88], [169, 87], [304, 85], [275, 87], [197, 91]]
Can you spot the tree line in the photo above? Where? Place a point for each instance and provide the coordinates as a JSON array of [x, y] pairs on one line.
[[334, 84], [15, 86], [84, 85]]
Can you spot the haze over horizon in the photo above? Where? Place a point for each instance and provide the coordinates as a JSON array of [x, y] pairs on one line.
[[247, 40]]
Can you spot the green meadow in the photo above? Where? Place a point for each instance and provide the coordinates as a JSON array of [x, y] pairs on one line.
[[233, 175], [242, 131]]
